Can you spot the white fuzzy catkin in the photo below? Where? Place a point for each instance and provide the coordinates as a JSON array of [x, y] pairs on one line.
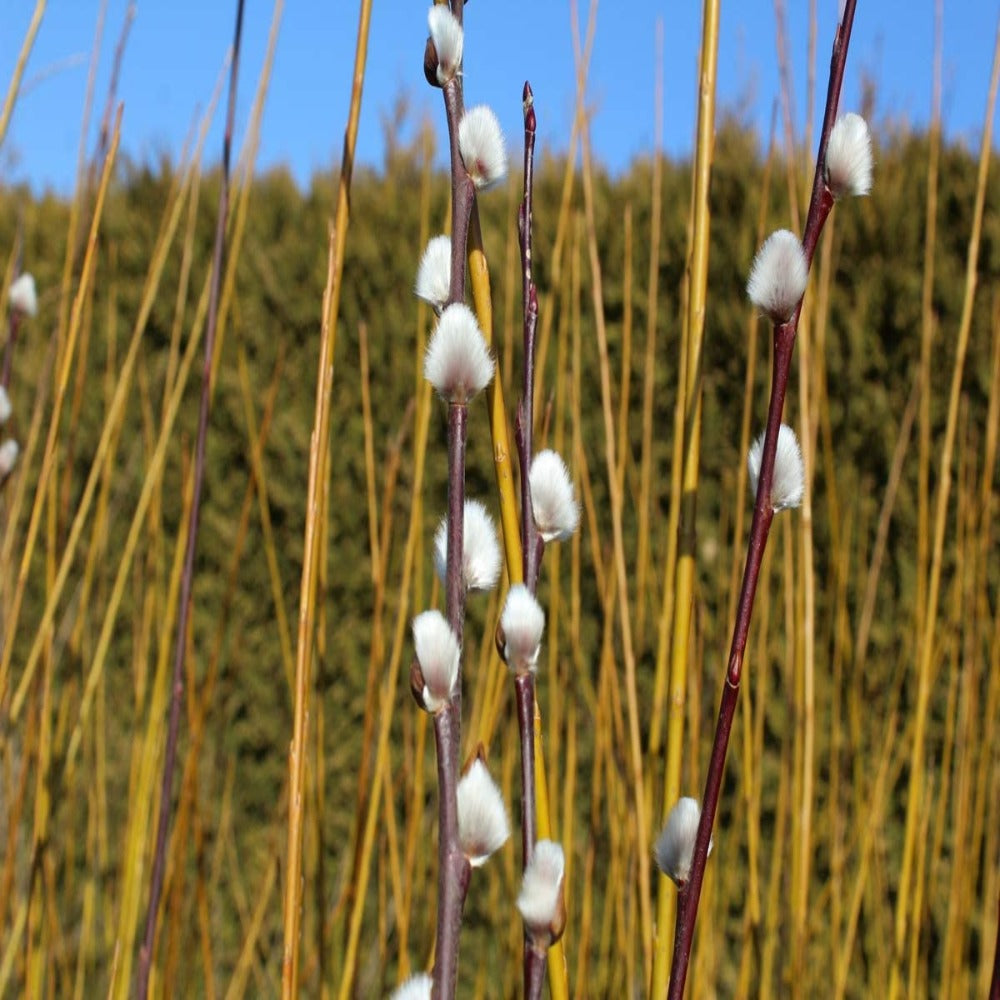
[[522, 622], [438, 654], [483, 826], [417, 987], [553, 502], [788, 481], [23, 297], [849, 157], [539, 901], [9, 451], [433, 283], [778, 276], [458, 363], [480, 548], [446, 34], [5, 408], [480, 141], [674, 848]]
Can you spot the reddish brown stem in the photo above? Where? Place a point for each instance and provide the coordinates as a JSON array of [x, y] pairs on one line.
[[532, 545], [534, 972], [526, 417], [524, 693], [453, 868], [463, 192], [458, 414], [821, 202]]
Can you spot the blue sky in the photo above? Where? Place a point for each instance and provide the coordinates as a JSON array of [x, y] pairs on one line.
[[177, 47]]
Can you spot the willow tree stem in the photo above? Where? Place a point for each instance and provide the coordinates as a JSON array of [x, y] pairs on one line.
[[820, 205], [187, 577]]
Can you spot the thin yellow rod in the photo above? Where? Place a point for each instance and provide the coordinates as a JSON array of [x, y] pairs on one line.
[[22, 61], [925, 647], [62, 383], [315, 504], [685, 569]]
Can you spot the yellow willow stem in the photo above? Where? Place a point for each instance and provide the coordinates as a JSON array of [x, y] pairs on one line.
[[684, 574], [362, 870], [479, 280], [315, 504], [620, 570], [64, 366], [904, 916], [106, 444], [147, 756], [649, 376], [22, 61]]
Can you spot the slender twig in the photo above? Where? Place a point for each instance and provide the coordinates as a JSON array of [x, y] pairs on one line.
[[525, 420], [22, 61], [187, 580], [463, 191], [784, 340], [524, 694], [904, 918], [479, 281], [458, 414], [62, 372], [453, 867], [673, 658], [534, 973], [316, 506], [531, 542], [116, 67]]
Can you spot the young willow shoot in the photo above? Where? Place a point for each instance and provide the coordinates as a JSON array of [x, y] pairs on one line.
[[472, 817], [776, 286]]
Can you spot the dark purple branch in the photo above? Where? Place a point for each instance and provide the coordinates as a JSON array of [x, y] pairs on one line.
[[463, 192], [524, 693], [453, 877], [534, 972], [690, 891], [458, 414], [453, 867], [532, 545], [187, 577], [116, 68], [838, 60], [526, 417], [821, 202], [525, 218], [763, 512]]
